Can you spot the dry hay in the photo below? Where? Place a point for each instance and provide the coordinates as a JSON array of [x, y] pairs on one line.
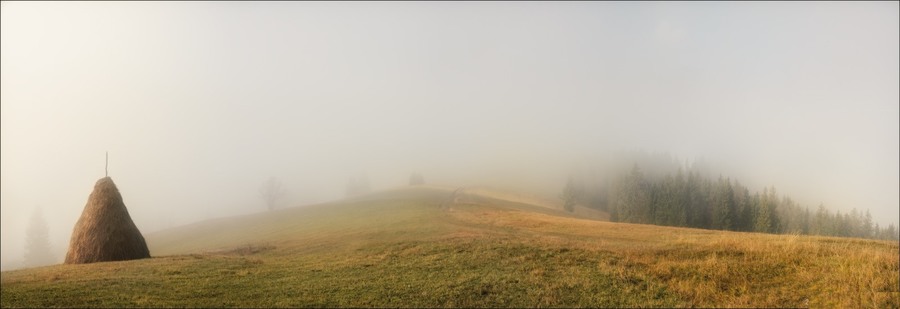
[[105, 231]]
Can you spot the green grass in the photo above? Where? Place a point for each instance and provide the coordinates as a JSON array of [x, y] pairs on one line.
[[397, 249]]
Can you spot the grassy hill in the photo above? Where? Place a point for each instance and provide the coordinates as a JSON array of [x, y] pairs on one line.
[[399, 249]]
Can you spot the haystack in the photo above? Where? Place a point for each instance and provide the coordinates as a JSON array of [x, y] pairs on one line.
[[105, 231]]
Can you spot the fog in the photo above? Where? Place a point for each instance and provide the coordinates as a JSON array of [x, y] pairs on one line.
[[199, 103]]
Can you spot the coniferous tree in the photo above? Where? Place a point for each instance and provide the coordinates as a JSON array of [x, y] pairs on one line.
[[891, 233], [774, 219], [632, 199], [853, 223], [839, 226], [680, 200], [723, 205], [641, 197], [822, 225], [789, 216], [804, 225], [699, 212], [763, 217], [868, 229], [569, 195], [743, 208], [670, 210], [613, 190], [37, 241]]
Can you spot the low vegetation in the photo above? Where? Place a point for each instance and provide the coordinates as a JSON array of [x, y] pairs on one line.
[[399, 249]]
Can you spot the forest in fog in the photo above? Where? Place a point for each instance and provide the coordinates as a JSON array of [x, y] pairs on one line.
[[675, 194]]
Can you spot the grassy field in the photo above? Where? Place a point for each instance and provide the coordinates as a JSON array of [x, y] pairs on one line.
[[398, 249]]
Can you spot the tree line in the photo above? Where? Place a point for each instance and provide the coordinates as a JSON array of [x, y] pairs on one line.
[[688, 199]]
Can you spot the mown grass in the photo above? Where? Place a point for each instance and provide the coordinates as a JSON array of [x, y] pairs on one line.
[[400, 250]]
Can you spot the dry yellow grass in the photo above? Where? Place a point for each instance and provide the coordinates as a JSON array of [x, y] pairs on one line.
[[729, 269], [398, 249]]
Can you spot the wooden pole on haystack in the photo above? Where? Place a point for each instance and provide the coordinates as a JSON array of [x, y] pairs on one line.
[[106, 166]]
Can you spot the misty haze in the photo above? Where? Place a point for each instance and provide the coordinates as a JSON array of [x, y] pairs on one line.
[[450, 154]]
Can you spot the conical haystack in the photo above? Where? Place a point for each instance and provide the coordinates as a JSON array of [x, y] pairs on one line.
[[105, 231]]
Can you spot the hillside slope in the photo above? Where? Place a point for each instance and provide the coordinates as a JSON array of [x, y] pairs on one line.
[[357, 214], [398, 248]]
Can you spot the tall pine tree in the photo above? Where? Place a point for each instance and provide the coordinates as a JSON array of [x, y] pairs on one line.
[[37, 241]]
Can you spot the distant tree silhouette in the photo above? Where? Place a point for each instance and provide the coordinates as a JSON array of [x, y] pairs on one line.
[[272, 191], [37, 241], [722, 205], [416, 179], [633, 198], [570, 195], [890, 233], [359, 185]]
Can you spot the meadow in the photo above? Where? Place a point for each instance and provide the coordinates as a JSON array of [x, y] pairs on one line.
[[398, 248]]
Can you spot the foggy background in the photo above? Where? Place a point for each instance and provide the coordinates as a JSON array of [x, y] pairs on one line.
[[199, 103]]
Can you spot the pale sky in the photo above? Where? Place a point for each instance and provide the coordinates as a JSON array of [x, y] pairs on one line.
[[198, 103]]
